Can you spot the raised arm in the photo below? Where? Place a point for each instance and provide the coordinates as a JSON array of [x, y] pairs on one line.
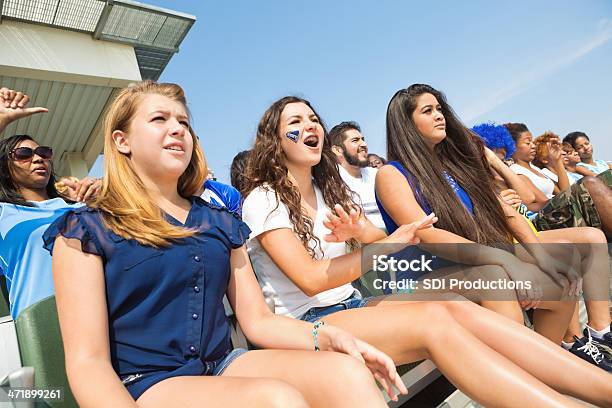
[[82, 310], [13, 106], [555, 157], [512, 180]]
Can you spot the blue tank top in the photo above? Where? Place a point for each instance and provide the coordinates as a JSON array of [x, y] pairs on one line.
[[420, 198]]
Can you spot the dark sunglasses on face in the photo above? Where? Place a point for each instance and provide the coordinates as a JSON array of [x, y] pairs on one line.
[[26, 153]]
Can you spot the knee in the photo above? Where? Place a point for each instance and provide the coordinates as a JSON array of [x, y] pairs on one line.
[[277, 394], [590, 182], [356, 375], [438, 317], [593, 236], [596, 188], [492, 272]]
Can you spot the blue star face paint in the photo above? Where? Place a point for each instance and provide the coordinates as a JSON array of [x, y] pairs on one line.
[[294, 135]]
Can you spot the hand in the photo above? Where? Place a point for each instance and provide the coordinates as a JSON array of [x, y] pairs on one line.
[[13, 106], [520, 271], [555, 154], [406, 234], [80, 190], [563, 268], [380, 364], [511, 198], [343, 226], [490, 156]]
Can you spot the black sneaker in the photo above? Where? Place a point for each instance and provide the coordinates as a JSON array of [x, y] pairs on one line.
[[604, 343], [586, 349]]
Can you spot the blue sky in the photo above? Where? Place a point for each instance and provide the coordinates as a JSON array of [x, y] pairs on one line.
[[545, 63]]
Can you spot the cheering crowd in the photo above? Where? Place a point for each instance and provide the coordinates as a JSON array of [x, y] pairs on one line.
[[140, 260]]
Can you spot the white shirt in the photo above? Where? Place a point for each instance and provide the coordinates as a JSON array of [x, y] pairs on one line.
[[554, 177], [365, 193], [260, 214], [543, 183]]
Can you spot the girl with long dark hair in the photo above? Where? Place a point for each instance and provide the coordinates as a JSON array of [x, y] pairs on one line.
[[300, 259], [435, 165]]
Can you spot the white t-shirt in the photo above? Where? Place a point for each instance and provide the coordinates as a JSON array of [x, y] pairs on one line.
[[554, 177], [365, 194], [544, 184], [259, 213]]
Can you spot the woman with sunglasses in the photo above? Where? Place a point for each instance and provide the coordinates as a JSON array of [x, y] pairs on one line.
[[29, 202]]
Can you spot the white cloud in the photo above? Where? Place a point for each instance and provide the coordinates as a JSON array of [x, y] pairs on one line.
[[529, 78]]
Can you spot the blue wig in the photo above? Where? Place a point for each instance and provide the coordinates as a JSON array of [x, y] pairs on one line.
[[496, 137]]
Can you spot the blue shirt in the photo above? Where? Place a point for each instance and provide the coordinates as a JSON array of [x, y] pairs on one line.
[[222, 195], [165, 305], [23, 260], [420, 198], [599, 167]]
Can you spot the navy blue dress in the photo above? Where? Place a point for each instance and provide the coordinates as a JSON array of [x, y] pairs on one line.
[[165, 305]]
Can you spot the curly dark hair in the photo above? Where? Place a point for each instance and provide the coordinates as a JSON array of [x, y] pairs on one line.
[[267, 165], [9, 192]]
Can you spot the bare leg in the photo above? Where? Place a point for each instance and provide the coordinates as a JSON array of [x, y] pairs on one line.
[[550, 319], [274, 378], [315, 375], [595, 262], [574, 327], [601, 193], [538, 356], [199, 392], [411, 331]]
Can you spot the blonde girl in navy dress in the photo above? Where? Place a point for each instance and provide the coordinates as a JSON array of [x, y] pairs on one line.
[[141, 274]]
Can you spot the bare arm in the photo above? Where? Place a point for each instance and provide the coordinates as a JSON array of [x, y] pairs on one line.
[[512, 179], [264, 328], [82, 310], [13, 107], [583, 171], [540, 198], [398, 200], [555, 157], [310, 275]]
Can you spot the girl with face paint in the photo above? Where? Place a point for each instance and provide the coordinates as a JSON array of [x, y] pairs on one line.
[[305, 270], [140, 278]]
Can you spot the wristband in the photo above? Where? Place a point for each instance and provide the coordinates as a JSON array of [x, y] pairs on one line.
[[315, 333]]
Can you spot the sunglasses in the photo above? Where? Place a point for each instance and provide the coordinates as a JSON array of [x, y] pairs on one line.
[[26, 153]]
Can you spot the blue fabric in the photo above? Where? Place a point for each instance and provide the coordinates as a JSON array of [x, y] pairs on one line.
[[420, 198], [414, 252], [353, 302], [165, 305], [599, 167], [573, 176], [23, 260], [223, 195]]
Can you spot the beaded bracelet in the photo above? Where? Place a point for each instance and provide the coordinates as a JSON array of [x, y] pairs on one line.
[[315, 333]]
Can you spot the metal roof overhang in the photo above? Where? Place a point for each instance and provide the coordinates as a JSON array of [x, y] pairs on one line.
[[102, 46]]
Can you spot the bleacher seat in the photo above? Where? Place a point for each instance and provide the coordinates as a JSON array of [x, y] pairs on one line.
[[41, 347], [4, 299]]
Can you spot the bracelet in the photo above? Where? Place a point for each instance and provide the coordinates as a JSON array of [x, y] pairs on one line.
[[315, 333]]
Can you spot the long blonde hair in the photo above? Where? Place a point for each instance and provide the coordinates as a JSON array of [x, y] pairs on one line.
[[127, 208]]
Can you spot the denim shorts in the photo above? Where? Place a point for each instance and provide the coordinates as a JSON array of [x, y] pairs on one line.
[[137, 384], [353, 302], [219, 366]]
